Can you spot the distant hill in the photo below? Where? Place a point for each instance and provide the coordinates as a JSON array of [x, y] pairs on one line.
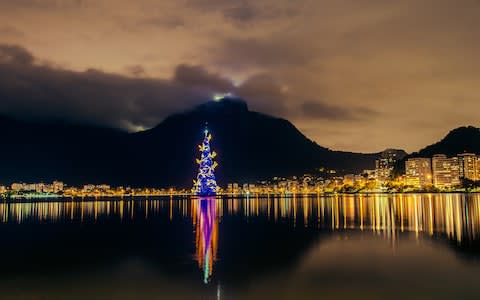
[[250, 146], [37, 151], [459, 140], [464, 139]]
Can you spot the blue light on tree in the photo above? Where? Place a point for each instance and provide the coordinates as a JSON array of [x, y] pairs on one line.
[[206, 185]]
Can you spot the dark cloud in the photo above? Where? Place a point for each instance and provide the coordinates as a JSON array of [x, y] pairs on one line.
[[268, 94], [321, 110], [198, 76], [263, 91], [31, 90], [241, 12], [28, 90], [12, 54]]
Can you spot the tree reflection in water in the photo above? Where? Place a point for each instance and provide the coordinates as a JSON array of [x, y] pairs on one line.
[[206, 234]]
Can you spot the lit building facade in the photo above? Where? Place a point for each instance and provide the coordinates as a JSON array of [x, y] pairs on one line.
[[446, 171], [58, 186], [478, 169], [418, 172], [468, 163], [386, 163], [349, 179]]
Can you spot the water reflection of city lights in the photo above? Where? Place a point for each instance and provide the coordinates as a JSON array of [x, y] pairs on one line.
[[206, 234], [455, 215]]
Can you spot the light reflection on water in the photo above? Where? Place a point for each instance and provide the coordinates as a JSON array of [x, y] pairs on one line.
[[453, 217], [206, 234], [456, 215]]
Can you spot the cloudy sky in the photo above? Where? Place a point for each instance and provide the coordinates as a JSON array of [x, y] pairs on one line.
[[352, 75]]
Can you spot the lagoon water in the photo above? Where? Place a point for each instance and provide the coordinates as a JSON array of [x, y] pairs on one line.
[[416, 246]]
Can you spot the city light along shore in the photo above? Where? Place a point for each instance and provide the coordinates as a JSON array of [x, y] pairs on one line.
[[460, 173]]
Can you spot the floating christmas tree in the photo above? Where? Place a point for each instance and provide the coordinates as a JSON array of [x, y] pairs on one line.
[[206, 185]]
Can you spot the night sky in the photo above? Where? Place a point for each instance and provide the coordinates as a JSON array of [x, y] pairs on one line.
[[352, 75]]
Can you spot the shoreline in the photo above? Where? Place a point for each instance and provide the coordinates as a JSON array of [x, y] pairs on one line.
[[62, 198]]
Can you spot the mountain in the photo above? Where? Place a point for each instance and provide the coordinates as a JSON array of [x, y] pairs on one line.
[[464, 139], [38, 151], [250, 146], [459, 140]]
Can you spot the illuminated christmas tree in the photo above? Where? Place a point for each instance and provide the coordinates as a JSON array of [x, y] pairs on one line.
[[206, 185]]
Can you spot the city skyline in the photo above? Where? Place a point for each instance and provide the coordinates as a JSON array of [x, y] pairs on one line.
[[439, 173], [346, 74]]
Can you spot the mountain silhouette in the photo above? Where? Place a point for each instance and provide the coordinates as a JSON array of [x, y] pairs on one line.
[[250, 146], [465, 139], [460, 140]]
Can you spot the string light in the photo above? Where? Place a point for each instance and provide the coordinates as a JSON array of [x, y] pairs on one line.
[[206, 185]]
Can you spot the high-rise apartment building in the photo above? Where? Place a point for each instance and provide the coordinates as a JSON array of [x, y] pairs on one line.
[[468, 163], [478, 168], [446, 171], [385, 164], [418, 172], [58, 186]]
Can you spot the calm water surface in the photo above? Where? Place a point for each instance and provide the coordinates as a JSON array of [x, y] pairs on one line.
[[325, 247]]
